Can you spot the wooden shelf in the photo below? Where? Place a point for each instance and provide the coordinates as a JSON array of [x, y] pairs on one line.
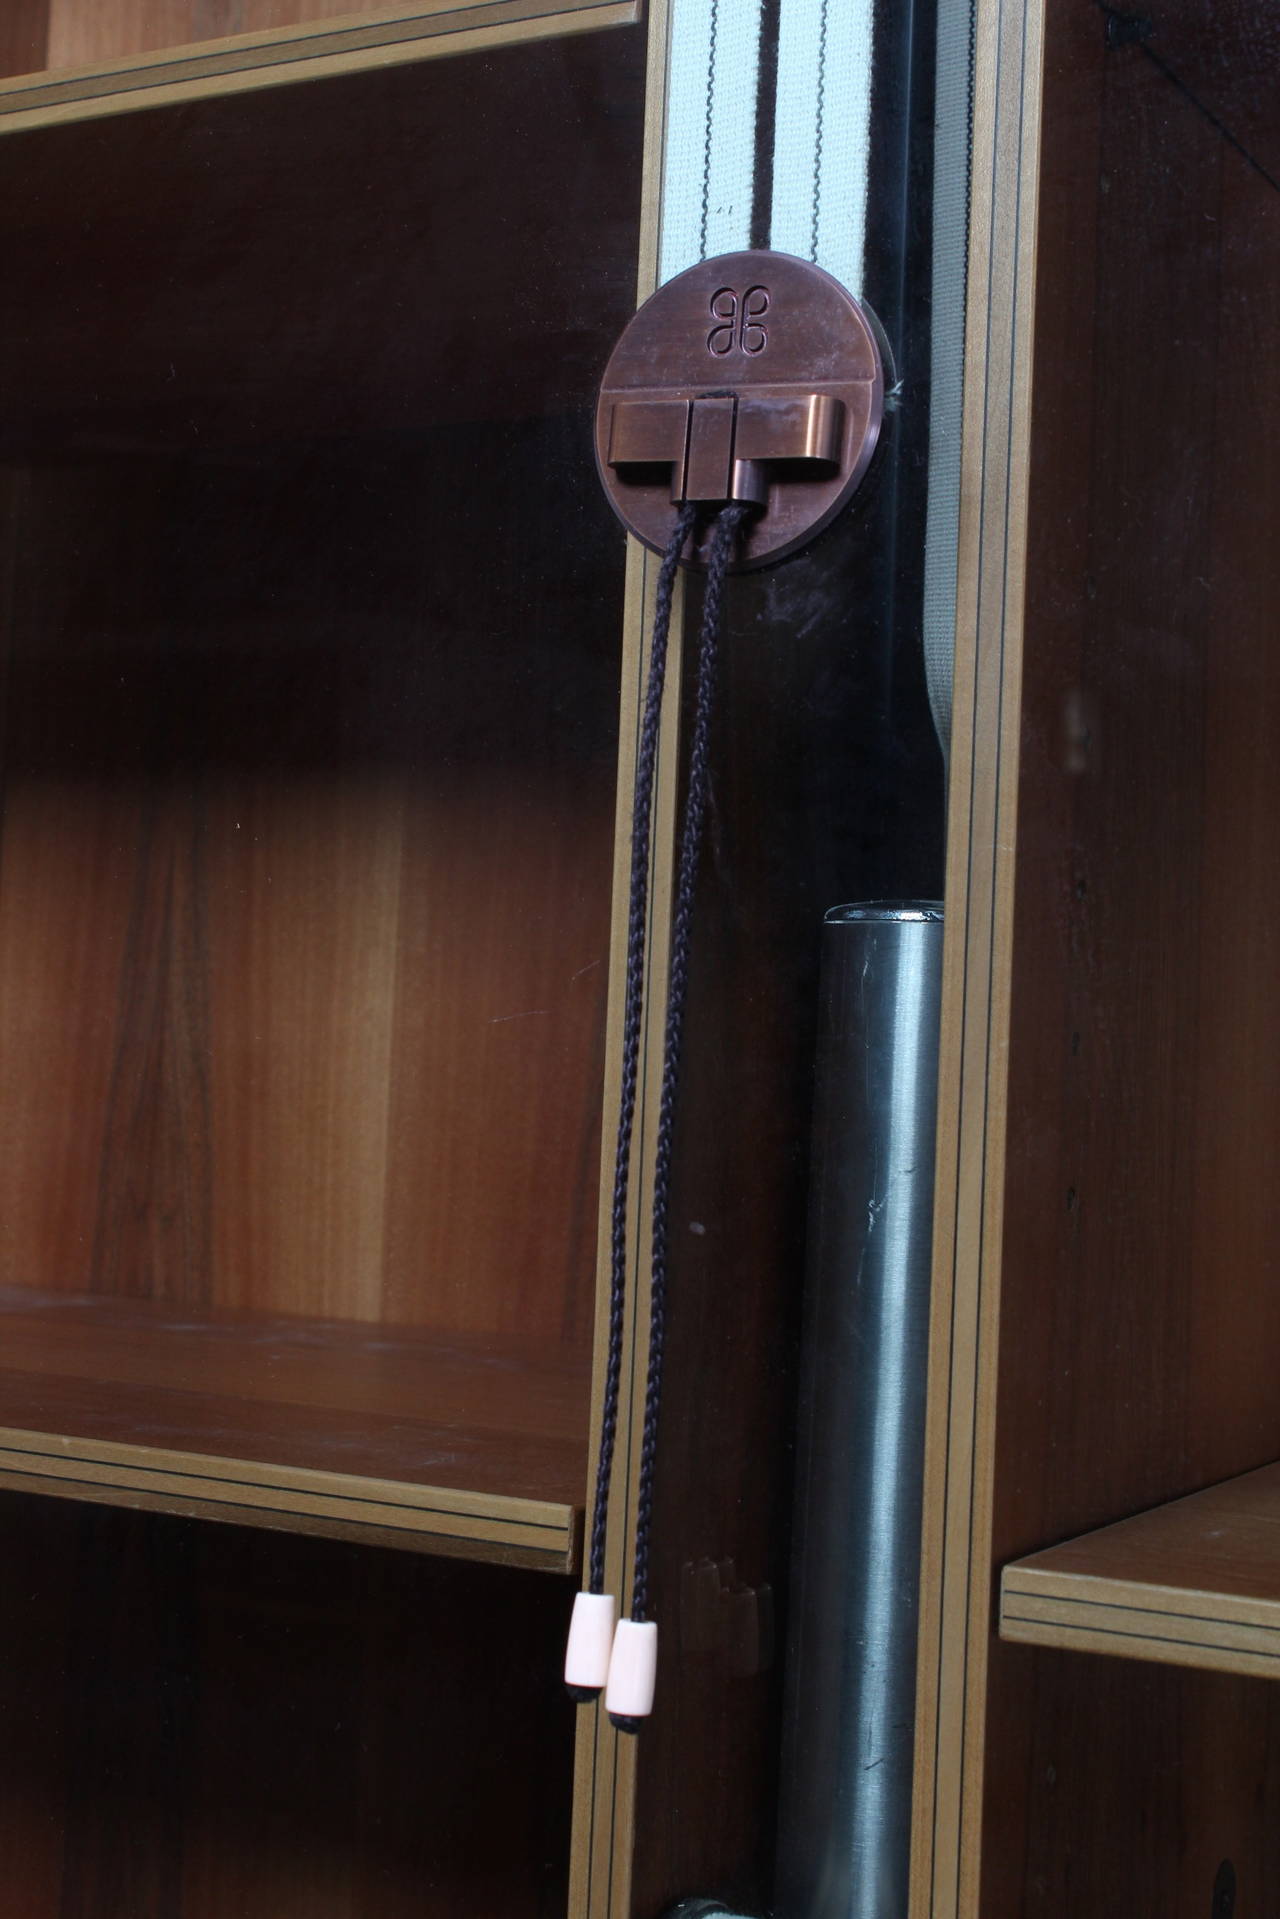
[[470, 1447], [63, 61], [1193, 1583]]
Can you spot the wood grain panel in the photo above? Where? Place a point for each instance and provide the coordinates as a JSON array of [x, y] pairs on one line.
[[1225, 61], [1146, 1779], [983, 838], [1193, 1583], [82, 33], [200, 1721], [495, 1530], [336, 1028], [218, 317], [1236, 1219], [282, 56], [304, 899], [359, 1389], [256, 16], [1140, 1335], [505, 1052], [24, 36], [304, 885], [437, 1443]]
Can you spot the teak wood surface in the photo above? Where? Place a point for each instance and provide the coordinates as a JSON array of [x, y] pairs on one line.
[[1108, 1330], [344, 864], [68, 60], [472, 1446], [303, 914], [82, 36], [208, 1721], [1194, 1583]]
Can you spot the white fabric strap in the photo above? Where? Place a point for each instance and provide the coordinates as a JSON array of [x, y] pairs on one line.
[[711, 132], [822, 139], [952, 116]]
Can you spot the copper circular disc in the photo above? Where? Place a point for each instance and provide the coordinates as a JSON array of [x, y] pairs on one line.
[[759, 323]]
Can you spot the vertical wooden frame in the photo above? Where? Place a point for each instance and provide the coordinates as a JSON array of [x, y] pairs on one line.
[[956, 1587], [1132, 1060], [605, 1765]]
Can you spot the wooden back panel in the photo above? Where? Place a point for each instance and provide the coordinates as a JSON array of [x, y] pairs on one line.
[[199, 1720], [38, 35], [79, 35], [310, 707]]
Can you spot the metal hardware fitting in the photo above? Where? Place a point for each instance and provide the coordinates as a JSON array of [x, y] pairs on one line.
[[754, 377], [719, 447]]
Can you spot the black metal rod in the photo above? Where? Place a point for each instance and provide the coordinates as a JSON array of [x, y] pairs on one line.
[[847, 1753]]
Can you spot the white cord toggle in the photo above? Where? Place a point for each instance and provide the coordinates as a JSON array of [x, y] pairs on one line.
[[586, 1657], [633, 1671]]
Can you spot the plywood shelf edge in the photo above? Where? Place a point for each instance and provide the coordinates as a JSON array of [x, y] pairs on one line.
[[1192, 1583], [466, 1524], [393, 1435], [244, 62]]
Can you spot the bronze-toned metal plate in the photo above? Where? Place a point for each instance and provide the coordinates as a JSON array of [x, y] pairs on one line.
[[754, 376]]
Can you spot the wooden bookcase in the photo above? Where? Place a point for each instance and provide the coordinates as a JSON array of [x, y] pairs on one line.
[[1097, 1733], [309, 988]]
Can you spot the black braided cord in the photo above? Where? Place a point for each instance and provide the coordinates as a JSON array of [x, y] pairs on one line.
[[706, 138], [818, 130], [633, 1002], [723, 545]]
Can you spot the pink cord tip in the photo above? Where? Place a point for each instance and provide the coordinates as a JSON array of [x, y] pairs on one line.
[[586, 1657], [633, 1672]]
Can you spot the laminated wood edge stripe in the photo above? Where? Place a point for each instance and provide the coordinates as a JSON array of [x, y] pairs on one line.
[[1022, 1587], [250, 61], [1149, 1625], [1190, 1583], [604, 1803], [956, 1565], [423, 1518]]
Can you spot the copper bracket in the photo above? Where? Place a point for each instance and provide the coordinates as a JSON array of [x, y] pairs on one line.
[[753, 377]]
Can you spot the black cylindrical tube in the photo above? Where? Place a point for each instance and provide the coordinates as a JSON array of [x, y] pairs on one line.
[[847, 1754]]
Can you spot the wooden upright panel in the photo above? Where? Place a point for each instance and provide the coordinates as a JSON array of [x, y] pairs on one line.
[[1138, 1337]]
